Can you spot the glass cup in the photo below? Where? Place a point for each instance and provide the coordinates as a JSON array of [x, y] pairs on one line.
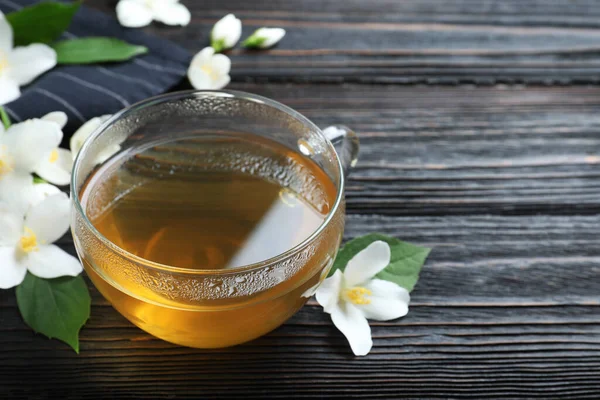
[[210, 308]]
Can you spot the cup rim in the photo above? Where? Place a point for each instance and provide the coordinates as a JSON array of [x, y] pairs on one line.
[[186, 94]]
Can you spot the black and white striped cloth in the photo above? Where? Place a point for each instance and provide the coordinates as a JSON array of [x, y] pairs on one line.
[[87, 91]]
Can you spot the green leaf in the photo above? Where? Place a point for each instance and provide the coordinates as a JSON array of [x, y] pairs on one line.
[[5, 118], [37, 179], [95, 49], [41, 23], [57, 308], [405, 263]]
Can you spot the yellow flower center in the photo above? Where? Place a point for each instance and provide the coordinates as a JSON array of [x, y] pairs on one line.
[[53, 156], [3, 61], [6, 164], [209, 71], [358, 295], [28, 241]]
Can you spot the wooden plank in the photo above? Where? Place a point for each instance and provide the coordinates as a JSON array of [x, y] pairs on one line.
[[533, 41]]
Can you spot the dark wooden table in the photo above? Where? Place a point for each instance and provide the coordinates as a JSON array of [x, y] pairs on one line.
[[480, 129]]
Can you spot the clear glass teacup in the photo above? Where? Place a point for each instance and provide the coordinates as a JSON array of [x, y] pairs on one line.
[[170, 153]]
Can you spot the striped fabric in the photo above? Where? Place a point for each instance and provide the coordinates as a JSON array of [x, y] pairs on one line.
[[87, 91]]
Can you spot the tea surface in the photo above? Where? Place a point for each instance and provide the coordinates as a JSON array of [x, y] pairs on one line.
[[209, 203]]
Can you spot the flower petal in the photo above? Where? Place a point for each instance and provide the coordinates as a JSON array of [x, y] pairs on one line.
[[388, 301], [16, 191], [28, 142], [133, 14], [221, 64], [199, 79], [9, 90], [351, 322], [228, 29], [322, 276], [81, 135], [12, 272], [328, 293], [271, 36], [51, 261], [310, 292], [58, 117], [203, 56], [6, 35], [107, 153], [387, 289], [11, 226], [40, 191], [56, 168], [28, 62], [367, 263], [171, 13], [221, 82], [50, 219]]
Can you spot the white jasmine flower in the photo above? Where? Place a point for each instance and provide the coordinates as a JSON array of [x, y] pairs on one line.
[[226, 33], [138, 13], [56, 166], [209, 70], [22, 148], [355, 295], [264, 38], [20, 65], [84, 132], [26, 243]]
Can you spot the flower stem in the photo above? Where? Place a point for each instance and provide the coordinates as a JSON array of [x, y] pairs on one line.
[[4, 117]]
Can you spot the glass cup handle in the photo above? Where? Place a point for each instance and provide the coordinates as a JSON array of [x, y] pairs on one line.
[[346, 143]]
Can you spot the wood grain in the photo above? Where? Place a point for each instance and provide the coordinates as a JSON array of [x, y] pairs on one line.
[[431, 41], [501, 181]]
